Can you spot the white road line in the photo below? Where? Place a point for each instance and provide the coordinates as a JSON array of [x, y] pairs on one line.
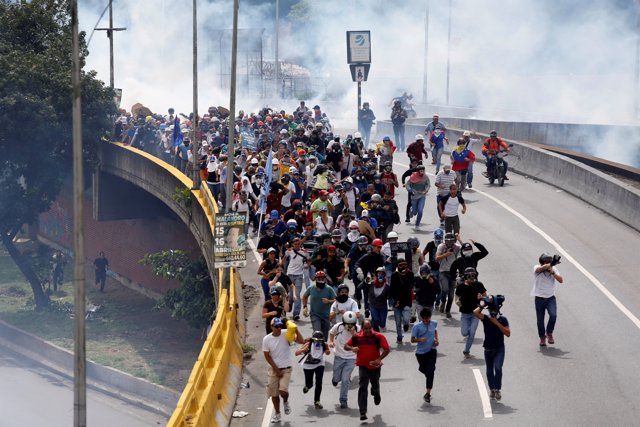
[[484, 397], [564, 253], [268, 409], [568, 257]]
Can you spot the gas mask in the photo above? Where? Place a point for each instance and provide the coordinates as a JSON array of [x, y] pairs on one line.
[[342, 298], [467, 253]]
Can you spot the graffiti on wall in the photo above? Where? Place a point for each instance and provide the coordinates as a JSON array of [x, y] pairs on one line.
[[56, 224]]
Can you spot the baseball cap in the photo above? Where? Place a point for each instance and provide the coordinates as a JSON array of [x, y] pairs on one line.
[[274, 291], [364, 213], [277, 323], [386, 138], [466, 133], [331, 248], [324, 192], [275, 214]]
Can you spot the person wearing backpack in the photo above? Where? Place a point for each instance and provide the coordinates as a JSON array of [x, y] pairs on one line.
[[314, 350]]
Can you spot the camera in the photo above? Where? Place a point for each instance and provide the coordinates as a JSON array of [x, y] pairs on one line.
[[549, 259], [555, 260]]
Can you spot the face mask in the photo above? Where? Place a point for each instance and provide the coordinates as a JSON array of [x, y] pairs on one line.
[[342, 298], [320, 284], [381, 277], [467, 253], [437, 132], [353, 235]]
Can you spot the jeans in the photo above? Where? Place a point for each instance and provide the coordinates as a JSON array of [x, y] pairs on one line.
[[437, 156], [452, 224], [417, 206], [265, 289], [296, 279], [320, 323], [367, 376], [468, 327], [318, 371], [447, 289], [548, 304], [427, 365], [494, 358], [401, 316], [342, 369], [398, 131], [307, 279], [366, 135], [470, 173], [378, 318]]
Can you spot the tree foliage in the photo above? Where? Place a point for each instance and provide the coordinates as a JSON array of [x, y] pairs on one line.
[[193, 301], [35, 114]]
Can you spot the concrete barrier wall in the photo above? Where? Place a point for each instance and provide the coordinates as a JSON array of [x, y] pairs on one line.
[[614, 197]]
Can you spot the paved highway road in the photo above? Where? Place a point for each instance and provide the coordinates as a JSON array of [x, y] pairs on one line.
[[33, 396], [590, 377]]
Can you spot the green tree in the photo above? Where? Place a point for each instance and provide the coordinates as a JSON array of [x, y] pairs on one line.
[[35, 116], [193, 301]]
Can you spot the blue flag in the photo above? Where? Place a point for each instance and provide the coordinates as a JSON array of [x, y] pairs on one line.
[[177, 133], [267, 181]]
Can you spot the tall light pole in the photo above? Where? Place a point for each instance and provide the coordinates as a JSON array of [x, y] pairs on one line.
[[194, 122], [636, 73], [277, 33], [426, 55], [110, 31], [79, 348], [449, 51]]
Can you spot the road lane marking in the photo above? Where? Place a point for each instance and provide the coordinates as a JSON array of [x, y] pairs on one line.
[[564, 253], [484, 396]]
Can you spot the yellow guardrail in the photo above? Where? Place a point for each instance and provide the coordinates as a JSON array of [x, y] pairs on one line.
[[209, 397]]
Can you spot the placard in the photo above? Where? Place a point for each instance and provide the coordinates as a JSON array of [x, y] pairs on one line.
[[230, 240]]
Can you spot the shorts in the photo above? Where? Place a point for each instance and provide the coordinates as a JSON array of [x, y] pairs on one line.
[[276, 383]]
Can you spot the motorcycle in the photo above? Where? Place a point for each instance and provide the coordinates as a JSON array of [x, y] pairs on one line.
[[495, 166]]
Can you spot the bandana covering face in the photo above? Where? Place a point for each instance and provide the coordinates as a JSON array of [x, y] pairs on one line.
[[353, 235], [416, 178]]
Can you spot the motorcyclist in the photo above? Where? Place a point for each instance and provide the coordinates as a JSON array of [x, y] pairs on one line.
[[493, 145]]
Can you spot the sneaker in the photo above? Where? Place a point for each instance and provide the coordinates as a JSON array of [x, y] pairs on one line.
[[366, 314], [442, 308], [363, 417], [343, 404], [305, 389], [506, 178], [377, 399], [407, 220], [448, 315], [296, 318], [543, 342], [275, 418], [317, 404], [405, 328], [427, 398], [399, 341], [287, 408], [492, 395], [498, 395], [334, 382], [485, 174], [469, 185], [550, 339], [467, 355]]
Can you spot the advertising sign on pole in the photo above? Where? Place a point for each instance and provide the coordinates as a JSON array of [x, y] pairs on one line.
[[358, 47], [230, 240], [359, 72]]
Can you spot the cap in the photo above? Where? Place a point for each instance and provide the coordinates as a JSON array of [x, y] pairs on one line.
[[353, 224], [419, 137], [324, 209], [324, 192], [436, 115], [349, 180], [271, 250], [275, 214], [277, 322], [365, 213], [466, 133], [331, 248], [274, 291], [386, 138]]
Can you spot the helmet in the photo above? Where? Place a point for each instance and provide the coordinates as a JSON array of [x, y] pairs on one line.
[[292, 223], [237, 169], [449, 237], [493, 133], [349, 317], [353, 224], [470, 270], [336, 233], [321, 275], [438, 233], [342, 287], [317, 336], [357, 135], [419, 137], [362, 240], [414, 243], [275, 162], [425, 269], [377, 242], [381, 270], [543, 257], [293, 171], [392, 235], [388, 165], [376, 198]]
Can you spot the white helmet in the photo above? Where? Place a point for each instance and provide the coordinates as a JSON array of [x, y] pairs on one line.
[[292, 222], [357, 135], [419, 137], [292, 170], [392, 235], [275, 162], [349, 317], [283, 131], [353, 224]]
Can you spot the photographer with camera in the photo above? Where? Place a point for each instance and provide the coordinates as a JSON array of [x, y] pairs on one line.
[[496, 327], [545, 276]]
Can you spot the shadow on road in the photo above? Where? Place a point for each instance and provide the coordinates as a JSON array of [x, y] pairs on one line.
[[554, 352], [502, 409]]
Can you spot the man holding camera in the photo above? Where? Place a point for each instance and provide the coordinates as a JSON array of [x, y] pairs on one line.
[[545, 276], [496, 327]]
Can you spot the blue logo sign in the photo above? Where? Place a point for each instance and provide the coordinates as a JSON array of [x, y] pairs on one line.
[[359, 40]]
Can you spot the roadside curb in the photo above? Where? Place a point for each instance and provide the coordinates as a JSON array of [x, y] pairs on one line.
[[109, 381]]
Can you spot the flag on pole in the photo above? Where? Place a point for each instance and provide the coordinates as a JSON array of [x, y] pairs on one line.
[[177, 133], [267, 182]]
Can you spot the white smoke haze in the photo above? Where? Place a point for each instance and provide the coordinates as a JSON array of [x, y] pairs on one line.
[[530, 60]]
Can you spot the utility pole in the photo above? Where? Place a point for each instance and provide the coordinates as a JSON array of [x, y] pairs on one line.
[[449, 51], [110, 31], [277, 64], [226, 280], [79, 347], [636, 71], [194, 122], [426, 55]]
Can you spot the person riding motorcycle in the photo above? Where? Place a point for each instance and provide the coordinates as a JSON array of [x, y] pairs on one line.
[[493, 145]]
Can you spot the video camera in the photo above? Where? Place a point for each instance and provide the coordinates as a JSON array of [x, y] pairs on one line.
[[551, 259]]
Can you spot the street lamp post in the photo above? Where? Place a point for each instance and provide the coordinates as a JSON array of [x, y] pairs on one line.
[[194, 122], [426, 54], [110, 31], [277, 42], [449, 51]]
